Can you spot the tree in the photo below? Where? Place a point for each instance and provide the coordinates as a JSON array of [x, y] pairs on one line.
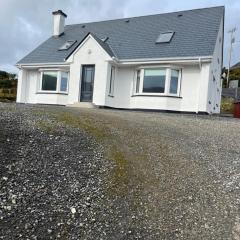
[[233, 75], [4, 75]]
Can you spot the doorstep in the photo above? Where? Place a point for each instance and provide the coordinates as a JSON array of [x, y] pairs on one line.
[[82, 105]]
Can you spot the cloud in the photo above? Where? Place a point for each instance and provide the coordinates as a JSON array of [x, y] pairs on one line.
[[25, 24]]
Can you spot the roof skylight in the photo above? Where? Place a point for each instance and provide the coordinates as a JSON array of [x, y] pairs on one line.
[[67, 45], [165, 37], [104, 39]]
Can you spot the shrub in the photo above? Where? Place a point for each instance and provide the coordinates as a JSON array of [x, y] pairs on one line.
[[5, 83]]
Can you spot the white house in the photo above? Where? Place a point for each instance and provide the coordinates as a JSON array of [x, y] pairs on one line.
[[169, 61]]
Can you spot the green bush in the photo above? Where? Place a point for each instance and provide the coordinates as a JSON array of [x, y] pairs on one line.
[[5, 83]]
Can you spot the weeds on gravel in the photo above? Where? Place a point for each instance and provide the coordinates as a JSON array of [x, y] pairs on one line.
[[9, 108], [47, 126], [129, 177], [83, 123], [120, 179]]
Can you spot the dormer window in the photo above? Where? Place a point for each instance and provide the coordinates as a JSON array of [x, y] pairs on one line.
[[67, 45], [165, 37]]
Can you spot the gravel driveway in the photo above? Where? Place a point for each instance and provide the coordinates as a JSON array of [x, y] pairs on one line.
[[68, 173]]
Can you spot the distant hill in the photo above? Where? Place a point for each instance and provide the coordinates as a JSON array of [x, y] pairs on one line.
[[7, 76]]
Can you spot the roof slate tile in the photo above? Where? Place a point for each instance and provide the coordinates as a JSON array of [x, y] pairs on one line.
[[195, 35]]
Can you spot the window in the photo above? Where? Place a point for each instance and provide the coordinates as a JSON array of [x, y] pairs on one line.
[[154, 81], [54, 81], [112, 79], [158, 81], [138, 81], [165, 37], [64, 82], [104, 39], [67, 45], [49, 81], [174, 81]]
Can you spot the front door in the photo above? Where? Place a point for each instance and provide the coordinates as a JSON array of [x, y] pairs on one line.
[[87, 83]]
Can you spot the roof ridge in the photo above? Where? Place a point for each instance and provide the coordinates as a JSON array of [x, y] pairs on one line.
[[157, 14]]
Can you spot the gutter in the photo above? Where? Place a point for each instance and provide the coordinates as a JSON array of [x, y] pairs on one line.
[[200, 63], [38, 65], [197, 60]]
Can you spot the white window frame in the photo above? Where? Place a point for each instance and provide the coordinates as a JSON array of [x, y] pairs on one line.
[[60, 79], [59, 72], [167, 81], [112, 80]]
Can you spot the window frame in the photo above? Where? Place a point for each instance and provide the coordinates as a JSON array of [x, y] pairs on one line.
[[58, 86], [60, 81], [112, 81], [167, 81], [138, 80], [159, 41], [68, 44]]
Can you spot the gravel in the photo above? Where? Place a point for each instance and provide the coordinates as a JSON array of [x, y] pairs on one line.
[[68, 173], [50, 182]]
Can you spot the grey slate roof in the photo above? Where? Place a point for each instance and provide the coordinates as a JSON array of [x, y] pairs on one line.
[[195, 35]]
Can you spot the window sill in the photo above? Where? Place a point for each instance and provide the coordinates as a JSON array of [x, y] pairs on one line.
[[155, 95], [49, 92]]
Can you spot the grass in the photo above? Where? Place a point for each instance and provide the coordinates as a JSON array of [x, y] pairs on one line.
[[227, 105], [47, 126], [82, 122], [120, 177]]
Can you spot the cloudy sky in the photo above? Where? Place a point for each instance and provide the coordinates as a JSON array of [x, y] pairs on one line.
[[24, 24]]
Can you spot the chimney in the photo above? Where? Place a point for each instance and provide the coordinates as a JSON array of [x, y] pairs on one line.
[[58, 22]]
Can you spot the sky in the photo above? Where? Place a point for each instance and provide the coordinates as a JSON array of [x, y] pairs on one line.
[[24, 24]]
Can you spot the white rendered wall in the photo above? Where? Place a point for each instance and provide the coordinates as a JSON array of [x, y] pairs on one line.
[[21, 86], [90, 53], [30, 93], [215, 87], [193, 94], [122, 87], [202, 92]]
